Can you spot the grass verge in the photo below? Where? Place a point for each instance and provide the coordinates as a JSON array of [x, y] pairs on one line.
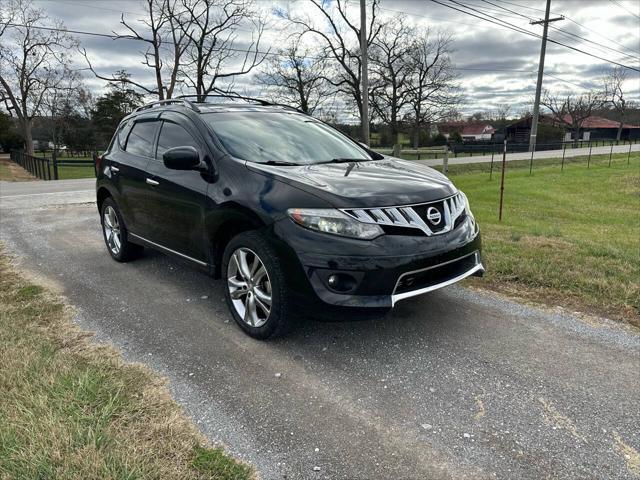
[[568, 238], [72, 409], [11, 172]]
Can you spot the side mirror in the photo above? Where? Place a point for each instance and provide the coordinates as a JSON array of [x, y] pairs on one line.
[[181, 158]]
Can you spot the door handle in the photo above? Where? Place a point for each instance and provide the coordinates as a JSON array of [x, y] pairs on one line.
[[152, 182], [114, 169]]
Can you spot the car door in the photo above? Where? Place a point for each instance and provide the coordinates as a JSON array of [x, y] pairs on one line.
[[130, 172], [177, 197]]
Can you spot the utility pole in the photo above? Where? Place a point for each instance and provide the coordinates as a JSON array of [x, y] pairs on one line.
[[543, 48], [365, 72]]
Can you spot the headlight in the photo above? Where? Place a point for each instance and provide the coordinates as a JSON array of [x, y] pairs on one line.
[[329, 220], [467, 208]]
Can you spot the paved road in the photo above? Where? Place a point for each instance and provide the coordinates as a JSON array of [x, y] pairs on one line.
[[569, 152], [456, 384]]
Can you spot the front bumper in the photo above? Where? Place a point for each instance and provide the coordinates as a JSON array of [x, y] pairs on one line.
[[382, 270]]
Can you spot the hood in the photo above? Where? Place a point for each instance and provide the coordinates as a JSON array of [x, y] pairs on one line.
[[375, 183]]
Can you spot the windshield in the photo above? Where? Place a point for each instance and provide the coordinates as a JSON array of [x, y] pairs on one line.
[[278, 137]]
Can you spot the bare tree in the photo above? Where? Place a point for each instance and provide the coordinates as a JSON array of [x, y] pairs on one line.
[[215, 52], [166, 43], [339, 35], [33, 62], [571, 111], [392, 71], [614, 92], [56, 102], [434, 95], [293, 77]]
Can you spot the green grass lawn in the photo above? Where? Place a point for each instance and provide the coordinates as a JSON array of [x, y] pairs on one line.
[[71, 409], [68, 172], [568, 238]]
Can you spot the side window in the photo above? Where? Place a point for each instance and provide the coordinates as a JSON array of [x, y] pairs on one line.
[[173, 135], [123, 131], [140, 141]]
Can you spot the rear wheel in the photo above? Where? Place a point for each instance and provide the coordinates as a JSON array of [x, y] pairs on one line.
[[256, 292], [115, 234]]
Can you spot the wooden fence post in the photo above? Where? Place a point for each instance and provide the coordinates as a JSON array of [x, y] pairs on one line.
[[94, 156], [610, 153], [54, 158], [445, 160]]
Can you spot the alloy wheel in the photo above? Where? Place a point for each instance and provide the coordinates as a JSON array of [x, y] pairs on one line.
[[249, 287], [112, 230]]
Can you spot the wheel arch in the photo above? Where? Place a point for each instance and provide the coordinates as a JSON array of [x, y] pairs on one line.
[[232, 219], [101, 195]]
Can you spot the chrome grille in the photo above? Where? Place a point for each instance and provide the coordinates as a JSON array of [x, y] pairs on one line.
[[407, 216]]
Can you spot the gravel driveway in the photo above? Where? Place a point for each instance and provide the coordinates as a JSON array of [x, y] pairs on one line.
[[454, 384]]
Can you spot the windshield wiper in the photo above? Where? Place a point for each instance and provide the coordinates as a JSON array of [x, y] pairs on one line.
[[277, 162], [345, 160]]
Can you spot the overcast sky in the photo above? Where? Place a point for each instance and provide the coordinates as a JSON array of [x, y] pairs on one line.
[[486, 55]]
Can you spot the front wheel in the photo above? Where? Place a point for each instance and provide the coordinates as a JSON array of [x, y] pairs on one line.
[[115, 234], [256, 292]]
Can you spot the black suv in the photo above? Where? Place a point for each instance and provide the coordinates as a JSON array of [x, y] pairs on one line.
[[289, 211]]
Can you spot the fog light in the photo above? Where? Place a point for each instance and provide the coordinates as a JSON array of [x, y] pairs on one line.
[[341, 282]]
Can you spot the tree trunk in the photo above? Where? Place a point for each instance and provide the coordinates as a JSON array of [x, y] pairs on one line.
[[395, 134], [416, 135], [28, 137], [619, 134], [576, 135]]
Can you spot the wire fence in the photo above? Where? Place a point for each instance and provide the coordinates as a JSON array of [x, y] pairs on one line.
[[487, 148], [47, 165], [48, 168]]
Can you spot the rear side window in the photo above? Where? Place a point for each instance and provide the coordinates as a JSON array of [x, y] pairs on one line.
[[123, 131], [173, 135], [140, 141]]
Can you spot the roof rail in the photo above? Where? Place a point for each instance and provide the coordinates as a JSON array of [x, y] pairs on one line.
[[169, 101], [231, 96], [259, 101]]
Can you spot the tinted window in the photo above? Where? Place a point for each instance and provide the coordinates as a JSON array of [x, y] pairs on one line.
[[122, 133], [281, 137], [173, 135], [140, 141]]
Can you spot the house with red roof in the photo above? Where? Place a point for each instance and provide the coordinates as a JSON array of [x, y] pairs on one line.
[[593, 128], [469, 131]]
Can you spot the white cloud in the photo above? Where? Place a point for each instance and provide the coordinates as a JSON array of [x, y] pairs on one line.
[[479, 44]]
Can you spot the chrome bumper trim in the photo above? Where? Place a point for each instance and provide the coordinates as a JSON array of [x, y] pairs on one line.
[[396, 297]]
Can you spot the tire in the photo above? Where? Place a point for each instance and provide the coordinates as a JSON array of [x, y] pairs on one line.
[[271, 284], [114, 233]]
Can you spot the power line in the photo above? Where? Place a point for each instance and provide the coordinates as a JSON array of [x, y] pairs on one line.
[[513, 27], [69, 2], [624, 8], [524, 6], [636, 52], [564, 32], [572, 21], [599, 46]]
